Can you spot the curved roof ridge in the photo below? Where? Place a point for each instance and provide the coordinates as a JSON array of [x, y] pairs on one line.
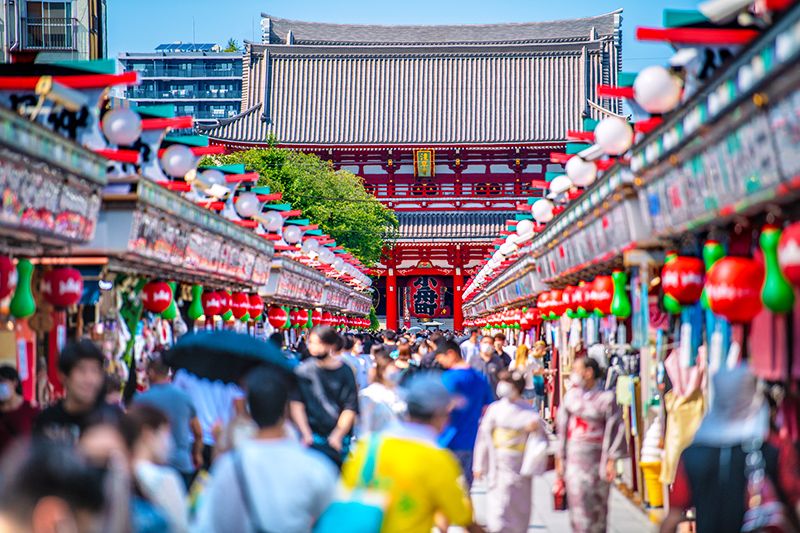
[[229, 120]]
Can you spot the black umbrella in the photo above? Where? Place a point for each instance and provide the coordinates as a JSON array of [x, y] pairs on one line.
[[224, 355]]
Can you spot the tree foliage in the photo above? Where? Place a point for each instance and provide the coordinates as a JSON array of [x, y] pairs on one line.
[[336, 200], [232, 46]]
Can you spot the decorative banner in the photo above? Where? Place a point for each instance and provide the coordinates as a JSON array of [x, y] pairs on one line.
[[426, 296], [424, 163]]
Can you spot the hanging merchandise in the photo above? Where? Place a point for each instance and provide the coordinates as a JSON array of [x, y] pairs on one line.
[[8, 276], [301, 318], [602, 295], [621, 302], [22, 304], [212, 304], [256, 308], [196, 309], [777, 294], [327, 319], [240, 305], [62, 287], [789, 253], [277, 317], [171, 312], [733, 287], [157, 296], [316, 318], [682, 279]]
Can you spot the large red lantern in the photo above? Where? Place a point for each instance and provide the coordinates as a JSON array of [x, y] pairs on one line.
[[156, 296], [733, 288], [63, 287], [225, 301], [789, 253], [682, 278], [568, 295], [327, 319], [256, 308], [556, 302], [602, 294], [543, 302], [277, 317], [240, 305], [316, 317], [212, 303], [300, 318], [8, 276]]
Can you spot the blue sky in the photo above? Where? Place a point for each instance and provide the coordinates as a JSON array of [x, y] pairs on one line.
[[140, 25]]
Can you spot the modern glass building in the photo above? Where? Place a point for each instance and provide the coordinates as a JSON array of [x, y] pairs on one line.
[[198, 79]]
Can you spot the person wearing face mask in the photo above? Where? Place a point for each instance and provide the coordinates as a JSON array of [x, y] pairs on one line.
[[488, 362], [160, 484], [592, 439], [324, 404], [16, 414], [379, 404], [499, 451]]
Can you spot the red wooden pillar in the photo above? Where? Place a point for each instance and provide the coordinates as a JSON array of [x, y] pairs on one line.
[[458, 291], [391, 300]]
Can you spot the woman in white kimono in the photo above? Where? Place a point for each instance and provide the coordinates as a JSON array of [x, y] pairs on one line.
[[592, 438], [499, 452]]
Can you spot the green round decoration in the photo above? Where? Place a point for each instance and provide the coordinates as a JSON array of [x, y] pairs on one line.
[[172, 311], [713, 251], [195, 310], [621, 302], [776, 293], [22, 303], [245, 317]]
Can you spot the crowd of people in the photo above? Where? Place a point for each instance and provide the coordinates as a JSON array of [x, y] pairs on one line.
[[393, 429]]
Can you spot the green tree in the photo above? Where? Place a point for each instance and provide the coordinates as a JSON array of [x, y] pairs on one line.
[[232, 46], [374, 324], [336, 200]]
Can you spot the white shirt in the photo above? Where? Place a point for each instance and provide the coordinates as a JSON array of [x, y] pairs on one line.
[[289, 487], [213, 401], [469, 349], [379, 407], [532, 365], [165, 489]]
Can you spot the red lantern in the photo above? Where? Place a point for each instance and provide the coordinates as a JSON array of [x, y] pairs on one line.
[[567, 295], [557, 304], [733, 288], [788, 253], [256, 306], [543, 302], [302, 318], [682, 278], [580, 296], [277, 317], [327, 319], [156, 296], [225, 301], [524, 320], [240, 304], [602, 294], [63, 287], [8, 276], [212, 304], [316, 317]]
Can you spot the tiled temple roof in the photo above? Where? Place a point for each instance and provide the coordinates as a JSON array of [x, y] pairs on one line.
[[431, 226], [426, 93]]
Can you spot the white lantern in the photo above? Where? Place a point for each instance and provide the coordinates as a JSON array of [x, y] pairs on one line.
[[122, 126], [614, 135], [178, 159], [311, 246], [338, 264], [542, 210], [499, 256], [581, 172], [272, 221], [560, 185], [247, 205], [524, 227], [292, 234], [507, 248], [326, 256], [657, 90]]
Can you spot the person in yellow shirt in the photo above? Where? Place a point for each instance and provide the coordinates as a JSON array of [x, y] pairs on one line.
[[423, 482]]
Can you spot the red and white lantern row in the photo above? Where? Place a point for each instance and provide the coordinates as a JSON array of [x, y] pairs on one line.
[[62, 287], [156, 296]]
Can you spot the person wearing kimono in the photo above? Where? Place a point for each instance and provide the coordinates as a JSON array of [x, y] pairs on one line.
[[499, 453], [592, 438]]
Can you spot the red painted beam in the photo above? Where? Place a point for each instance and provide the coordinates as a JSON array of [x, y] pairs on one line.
[[248, 177], [119, 155], [605, 164], [540, 184], [246, 223], [177, 186], [90, 81], [176, 123], [214, 149], [585, 136], [648, 125], [612, 91], [271, 236], [292, 213], [703, 36], [560, 157]]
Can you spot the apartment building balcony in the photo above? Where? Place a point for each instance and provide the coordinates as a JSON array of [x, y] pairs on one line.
[[200, 72], [49, 33], [138, 94]]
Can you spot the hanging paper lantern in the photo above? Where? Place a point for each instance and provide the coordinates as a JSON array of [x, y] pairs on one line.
[[171, 312], [196, 308], [240, 304], [621, 302], [327, 319], [122, 126], [570, 306], [789, 253], [580, 299], [602, 294], [247, 205], [657, 90], [733, 287], [316, 318], [301, 318], [557, 307], [256, 308], [177, 160], [226, 301], [682, 278], [212, 304], [8, 276], [614, 135], [22, 303], [542, 210], [272, 221], [156, 296], [277, 317], [581, 172], [524, 227], [777, 294], [560, 185], [63, 287]]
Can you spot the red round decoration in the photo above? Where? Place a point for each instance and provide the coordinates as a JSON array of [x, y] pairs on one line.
[[556, 302], [212, 303], [733, 288], [788, 253], [302, 318], [276, 316], [62, 287], [156, 296], [8, 276], [543, 302], [602, 293], [569, 301], [327, 319], [256, 307], [240, 304], [316, 317], [682, 278], [225, 302]]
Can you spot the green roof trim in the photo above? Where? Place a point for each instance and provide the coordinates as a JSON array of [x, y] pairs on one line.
[[626, 79], [261, 190], [156, 111], [550, 176], [342, 251], [525, 216], [331, 244], [277, 207], [98, 66], [676, 18], [188, 140], [228, 169], [298, 221], [576, 148], [589, 124], [315, 232]]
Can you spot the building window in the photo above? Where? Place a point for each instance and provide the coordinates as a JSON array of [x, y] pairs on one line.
[[49, 25]]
